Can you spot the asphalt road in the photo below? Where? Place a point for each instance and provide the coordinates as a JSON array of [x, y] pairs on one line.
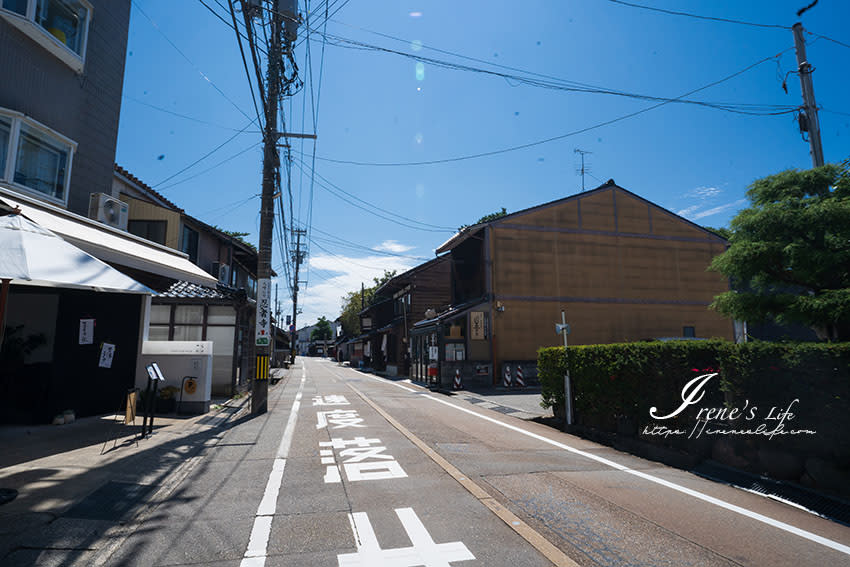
[[349, 469]]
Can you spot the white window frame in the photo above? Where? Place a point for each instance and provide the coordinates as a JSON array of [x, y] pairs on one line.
[[28, 25], [8, 175]]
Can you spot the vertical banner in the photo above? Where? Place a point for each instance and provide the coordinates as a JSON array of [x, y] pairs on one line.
[[263, 327]]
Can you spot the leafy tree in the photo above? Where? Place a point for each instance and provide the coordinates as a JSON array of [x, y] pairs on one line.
[[353, 302], [789, 257], [487, 218], [722, 231], [323, 331]]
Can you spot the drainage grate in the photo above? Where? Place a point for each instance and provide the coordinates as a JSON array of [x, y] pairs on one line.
[[113, 502], [832, 508]]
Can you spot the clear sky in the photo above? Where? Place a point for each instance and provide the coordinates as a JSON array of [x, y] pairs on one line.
[[186, 93]]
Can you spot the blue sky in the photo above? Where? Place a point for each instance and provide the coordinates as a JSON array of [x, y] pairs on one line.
[[186, 93]]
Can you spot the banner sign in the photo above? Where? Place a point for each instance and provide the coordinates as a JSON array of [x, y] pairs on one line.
[[264, 314]]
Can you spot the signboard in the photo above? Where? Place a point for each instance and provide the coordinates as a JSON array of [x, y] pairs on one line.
[[86, 331], [264, 314], [476, 326], [365, 323], [433, 352], [107, 351]]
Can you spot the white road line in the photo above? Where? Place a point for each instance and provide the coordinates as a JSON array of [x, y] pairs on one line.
[[696, 494], [673, 486], [255, 554]]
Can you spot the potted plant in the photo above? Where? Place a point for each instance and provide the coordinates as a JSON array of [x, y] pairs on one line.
[[166, 399]]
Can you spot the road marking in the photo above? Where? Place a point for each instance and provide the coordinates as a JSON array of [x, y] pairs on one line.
[[673, 486], [255, 554], [529, 534], [424, 550]]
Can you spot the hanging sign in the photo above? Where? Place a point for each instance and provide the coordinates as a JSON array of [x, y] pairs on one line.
[[264, 314], [86, 331]]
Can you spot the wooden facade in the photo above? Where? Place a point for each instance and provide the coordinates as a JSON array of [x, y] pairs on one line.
[[399, 303], [621, 267]]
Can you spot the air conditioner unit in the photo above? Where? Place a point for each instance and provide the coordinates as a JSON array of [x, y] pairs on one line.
[[222, 272], [109, 210]]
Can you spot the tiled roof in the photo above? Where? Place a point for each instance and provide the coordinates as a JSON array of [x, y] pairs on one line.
[[145, 186], [186, 290]]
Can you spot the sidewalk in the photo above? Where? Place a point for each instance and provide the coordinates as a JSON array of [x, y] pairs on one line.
[[78, 483]]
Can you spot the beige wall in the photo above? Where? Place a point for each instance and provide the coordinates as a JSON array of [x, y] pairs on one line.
[[142, 210], [635, 274]]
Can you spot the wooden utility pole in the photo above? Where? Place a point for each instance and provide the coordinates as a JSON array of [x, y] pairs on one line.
[[271, 162], [809, 117], [297, 258]]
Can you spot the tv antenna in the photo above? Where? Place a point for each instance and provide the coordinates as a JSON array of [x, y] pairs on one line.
[[583, 169]]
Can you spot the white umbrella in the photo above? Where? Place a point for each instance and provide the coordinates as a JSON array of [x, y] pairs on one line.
[[31, 253]]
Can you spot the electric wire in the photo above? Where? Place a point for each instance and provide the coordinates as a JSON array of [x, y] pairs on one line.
[[219, 164], [208, 154], [200, 72], [367, 206], [553, 138]]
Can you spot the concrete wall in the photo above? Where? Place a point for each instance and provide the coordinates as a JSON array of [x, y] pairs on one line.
[[86, 107]]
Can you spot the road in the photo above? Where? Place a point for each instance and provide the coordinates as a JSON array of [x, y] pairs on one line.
[[348, 469]]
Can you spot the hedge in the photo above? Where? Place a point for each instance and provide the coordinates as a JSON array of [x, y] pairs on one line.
[[615, 385]]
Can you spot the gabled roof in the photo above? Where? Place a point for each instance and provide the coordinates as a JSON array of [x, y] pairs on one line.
[[162, 201], [470, 231], [395, 280], [145, 188]]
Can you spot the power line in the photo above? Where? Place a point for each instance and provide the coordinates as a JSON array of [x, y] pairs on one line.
[[184, 116], [569, 86], [336, 190], [204, 75], [206, 155], [559, 137], [219, 164], [724, 20], [699, 17]]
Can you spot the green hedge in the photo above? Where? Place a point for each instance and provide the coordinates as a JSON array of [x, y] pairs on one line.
[[618, 383]]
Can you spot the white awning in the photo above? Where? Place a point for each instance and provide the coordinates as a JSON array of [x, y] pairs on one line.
[[108, 244], [32, 255]]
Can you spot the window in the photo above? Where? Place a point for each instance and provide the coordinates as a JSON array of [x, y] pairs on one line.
[[148, 229], [190, 244], [60, 26], [689, 332], [34, 157]]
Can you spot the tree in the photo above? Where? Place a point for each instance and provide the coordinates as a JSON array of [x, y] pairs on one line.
[[789, 254], [354, 302], [487, 218], [323, 331]]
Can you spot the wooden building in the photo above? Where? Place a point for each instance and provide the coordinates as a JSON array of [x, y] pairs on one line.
[[396, 305], [621, 267]]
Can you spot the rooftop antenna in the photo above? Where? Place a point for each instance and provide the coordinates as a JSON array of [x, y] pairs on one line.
[[583, 169]]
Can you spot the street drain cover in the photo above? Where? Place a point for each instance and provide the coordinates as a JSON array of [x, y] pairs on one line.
[[112, 502]]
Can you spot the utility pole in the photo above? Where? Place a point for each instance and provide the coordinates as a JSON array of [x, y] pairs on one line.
[[297, 258], [583, 170], [808, 118], [271, 162]]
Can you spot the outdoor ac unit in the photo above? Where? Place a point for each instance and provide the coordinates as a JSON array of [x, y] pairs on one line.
[[222, 272], [109, 210]]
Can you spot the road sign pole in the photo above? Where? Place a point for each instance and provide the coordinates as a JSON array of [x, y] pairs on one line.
[[568, 394]]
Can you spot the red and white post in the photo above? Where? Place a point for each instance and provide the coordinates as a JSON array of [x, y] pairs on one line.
[[506, 382], [520, 382], [457, 384]]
